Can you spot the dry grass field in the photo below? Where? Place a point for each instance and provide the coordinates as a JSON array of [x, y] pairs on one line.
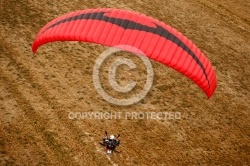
[[37, 92]]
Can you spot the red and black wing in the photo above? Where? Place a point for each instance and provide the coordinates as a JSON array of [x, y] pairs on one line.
[[112, 27]]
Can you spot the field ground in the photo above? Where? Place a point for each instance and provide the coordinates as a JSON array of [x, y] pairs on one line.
[[37, 92]]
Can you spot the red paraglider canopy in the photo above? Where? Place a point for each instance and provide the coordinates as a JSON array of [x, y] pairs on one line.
[[112, 27]]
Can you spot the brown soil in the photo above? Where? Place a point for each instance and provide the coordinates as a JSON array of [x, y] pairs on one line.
[[38, 91]]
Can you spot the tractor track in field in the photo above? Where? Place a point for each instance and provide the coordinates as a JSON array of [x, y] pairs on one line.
[[75, 135]]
